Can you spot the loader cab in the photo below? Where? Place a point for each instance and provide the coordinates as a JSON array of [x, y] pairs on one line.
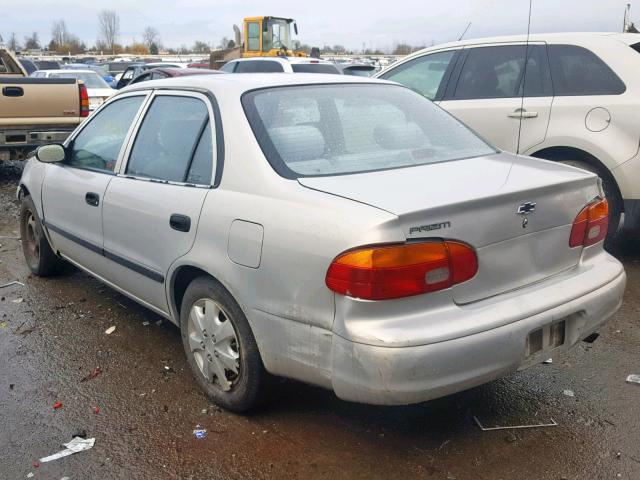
[[268, 36]]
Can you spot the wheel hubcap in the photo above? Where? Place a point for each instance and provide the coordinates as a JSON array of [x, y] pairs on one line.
[[214, 344]]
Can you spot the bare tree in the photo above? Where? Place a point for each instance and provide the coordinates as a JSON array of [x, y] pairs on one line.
[[13, 42], [59, 33], [32, 42], [109, 28], [150, 37], [200, 47]]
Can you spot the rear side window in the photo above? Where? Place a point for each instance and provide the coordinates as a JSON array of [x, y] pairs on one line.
[[165, 145], [229, 67], [578, 71], [423, 74], [98, 144], [498, 72], [259, 66], [314, 68], [201, 166]]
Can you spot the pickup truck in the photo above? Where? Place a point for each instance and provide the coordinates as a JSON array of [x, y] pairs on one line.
[[36, 111]]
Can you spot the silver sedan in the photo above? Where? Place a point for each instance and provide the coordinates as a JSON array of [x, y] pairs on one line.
[[341, 231]]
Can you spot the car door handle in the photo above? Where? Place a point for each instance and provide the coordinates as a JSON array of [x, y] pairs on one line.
[[92, 199], [522, 113], [182, 223], [12, 91]]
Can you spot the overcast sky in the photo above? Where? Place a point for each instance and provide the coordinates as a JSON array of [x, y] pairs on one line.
[[378, 24]]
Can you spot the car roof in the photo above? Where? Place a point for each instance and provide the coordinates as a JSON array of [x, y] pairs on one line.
[[239, 83], [570, 37], [284, 60], [68, 70], [179, 72]]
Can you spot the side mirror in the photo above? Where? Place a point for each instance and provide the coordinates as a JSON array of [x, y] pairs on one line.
[[51, 153]]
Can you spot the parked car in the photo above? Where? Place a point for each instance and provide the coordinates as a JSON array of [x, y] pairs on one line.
[[357, 69], [35, 111], [134, 70], [205, 65], [160, 73], [279, 64], [101, 70], [580, 104], [97, 89], [28, 65], [345, 232]]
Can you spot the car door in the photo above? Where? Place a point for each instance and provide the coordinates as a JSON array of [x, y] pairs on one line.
[[73, 190], [485, 92], [152, 207], [427, 74], [126, 77]]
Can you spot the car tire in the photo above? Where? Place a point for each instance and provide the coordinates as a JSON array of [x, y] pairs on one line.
[[613, 198], [215, 332], [40, 258]]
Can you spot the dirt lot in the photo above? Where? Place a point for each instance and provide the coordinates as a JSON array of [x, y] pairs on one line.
[[52, 334]]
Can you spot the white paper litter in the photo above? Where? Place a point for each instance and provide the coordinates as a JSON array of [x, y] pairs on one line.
[[76, 445], [548, 361], [110, 330], [633, 379], [569, 393]]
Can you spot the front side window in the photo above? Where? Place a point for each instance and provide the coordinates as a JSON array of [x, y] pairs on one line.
[[98, 144], [167, 140], [497, 72], [253, 34], [423, 74], [578, 71], [316, 130]]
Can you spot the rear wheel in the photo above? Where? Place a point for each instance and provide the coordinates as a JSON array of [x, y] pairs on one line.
[[37, 252], [220, 347], [613, 198]]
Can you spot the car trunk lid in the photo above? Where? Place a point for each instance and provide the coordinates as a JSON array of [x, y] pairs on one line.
[[477, 201]]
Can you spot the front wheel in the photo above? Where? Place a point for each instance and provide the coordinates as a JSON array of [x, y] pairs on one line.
[[40, 258], [220, 347]]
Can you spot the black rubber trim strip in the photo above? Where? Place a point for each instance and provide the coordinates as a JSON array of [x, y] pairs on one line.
[[37, 81], [153, 275]]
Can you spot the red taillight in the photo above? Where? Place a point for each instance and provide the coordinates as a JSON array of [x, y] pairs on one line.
[[591, 224], [84, 100], [395, 271]]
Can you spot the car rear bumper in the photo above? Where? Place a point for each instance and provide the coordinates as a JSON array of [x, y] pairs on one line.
[[384, 375]]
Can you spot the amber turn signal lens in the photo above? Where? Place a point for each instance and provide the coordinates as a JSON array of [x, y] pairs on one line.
[[591, 224]]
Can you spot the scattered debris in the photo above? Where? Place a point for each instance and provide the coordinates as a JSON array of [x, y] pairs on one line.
[[18, 300], [12, 283], [539, 425], [96, 410], [74, 446], [167, 368], [569, 393], [199, 432], [591, 338], [548, 361], [92, 374], [110, 330], [57, 405], [159, 322], [633, 378], [80, 433], [11, 385], [3, 325], [145, 323], [30, 475], [36, 464]]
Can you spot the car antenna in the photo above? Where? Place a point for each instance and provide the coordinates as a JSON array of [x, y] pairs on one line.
[[465, 31], [524, 74]]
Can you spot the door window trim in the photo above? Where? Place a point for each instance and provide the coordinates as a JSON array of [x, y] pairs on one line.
[[71, 138], [206, 99]]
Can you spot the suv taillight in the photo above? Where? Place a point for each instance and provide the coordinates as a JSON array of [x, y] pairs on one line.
[[84, 100], [401, 270], [591, 224]]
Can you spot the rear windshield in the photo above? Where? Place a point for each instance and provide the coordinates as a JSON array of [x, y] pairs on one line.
[[314, 68], [314, 130], [90, 79]]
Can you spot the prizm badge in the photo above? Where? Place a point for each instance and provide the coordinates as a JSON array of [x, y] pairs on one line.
[[429, 228]]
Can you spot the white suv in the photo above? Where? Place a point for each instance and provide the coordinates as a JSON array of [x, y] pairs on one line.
[[580, 104], [279, 65]]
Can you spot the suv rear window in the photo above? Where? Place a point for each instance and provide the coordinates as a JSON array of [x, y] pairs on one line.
[[259, 66], [578, 71], [314, 68], [313, 130]]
